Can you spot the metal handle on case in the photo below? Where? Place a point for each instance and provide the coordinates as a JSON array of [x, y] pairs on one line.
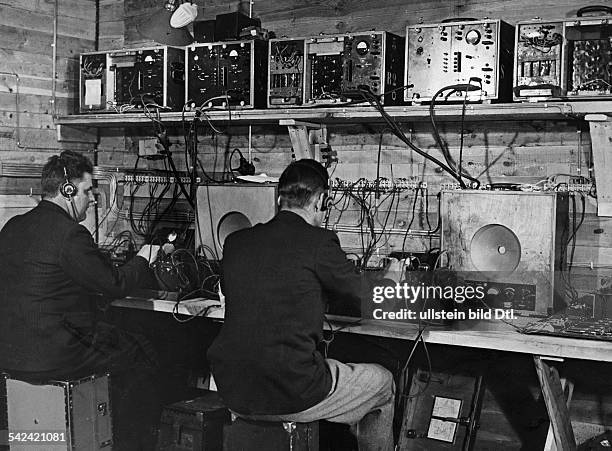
[[594, 9]]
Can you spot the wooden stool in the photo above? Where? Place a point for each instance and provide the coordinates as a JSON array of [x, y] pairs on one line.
[[245, 434]]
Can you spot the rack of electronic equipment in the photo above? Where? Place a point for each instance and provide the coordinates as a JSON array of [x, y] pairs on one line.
[[534, 60]]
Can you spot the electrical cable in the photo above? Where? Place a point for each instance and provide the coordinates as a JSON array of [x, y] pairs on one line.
[[400, 134], [443, 147], [416, 192]]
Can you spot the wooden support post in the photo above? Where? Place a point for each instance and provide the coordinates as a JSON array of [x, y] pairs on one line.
[[306, 143], [568, 390], [600, 127], [556, 405]]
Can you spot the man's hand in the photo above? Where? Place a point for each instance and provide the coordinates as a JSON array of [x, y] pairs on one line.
[[149, 252], [394, 269]]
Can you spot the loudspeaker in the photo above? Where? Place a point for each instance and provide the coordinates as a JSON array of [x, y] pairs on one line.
[[226, 208], [510, 242]]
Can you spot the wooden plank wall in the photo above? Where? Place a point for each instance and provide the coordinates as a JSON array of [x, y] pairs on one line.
[[26, 39]]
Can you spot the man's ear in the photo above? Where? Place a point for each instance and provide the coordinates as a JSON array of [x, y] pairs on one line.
[[320, 200]]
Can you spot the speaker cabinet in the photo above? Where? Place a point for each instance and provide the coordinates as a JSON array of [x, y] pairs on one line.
[[226, 208], [510, 242]]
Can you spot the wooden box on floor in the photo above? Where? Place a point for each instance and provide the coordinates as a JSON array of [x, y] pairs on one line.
[[252, 435], [193, 425]]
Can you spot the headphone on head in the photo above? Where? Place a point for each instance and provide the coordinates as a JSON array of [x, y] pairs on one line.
[[324, 178], [67, 188]]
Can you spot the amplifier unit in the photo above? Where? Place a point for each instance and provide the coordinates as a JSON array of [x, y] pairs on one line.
[[538, 60], [226, 208], [226, 74], [137, 78], [329, 69], [374, 61], [445, 54], [324, 70], [589, 57], [148, 76], [286, 76], [568, 58], [510, 242]]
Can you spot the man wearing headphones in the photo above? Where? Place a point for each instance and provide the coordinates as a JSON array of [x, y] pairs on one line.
[[49, 268], [276, 277]]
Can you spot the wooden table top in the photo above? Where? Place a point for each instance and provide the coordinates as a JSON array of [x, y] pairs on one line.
[[494, 335]]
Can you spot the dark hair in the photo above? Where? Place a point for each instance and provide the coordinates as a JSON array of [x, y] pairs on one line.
[[53, 175], [300, 182]]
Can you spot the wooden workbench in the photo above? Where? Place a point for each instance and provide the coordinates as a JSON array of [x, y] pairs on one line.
[[493, 335]]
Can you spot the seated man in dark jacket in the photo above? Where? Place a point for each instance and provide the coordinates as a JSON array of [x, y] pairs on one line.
[[49, 269], [276, 275]]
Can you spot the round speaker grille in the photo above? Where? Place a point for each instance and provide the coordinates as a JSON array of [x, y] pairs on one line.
[[495, 247], [230, 223]]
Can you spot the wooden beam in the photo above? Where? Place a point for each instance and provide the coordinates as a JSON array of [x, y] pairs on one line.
[[556, 405], [66, 133], [601, 138], [568, 389], [300, 141]]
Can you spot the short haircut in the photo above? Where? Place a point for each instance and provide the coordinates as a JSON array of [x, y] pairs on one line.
[[300, 182], [53, 175]]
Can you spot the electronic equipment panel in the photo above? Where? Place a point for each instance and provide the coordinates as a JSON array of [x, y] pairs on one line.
[[95, 93], [538, 60], [374, 61], [332, 69], [324, 70], [132, 80], [286, 77], [445, 54], [226, 73], [146, 77], [561, 325], [588, 42], [569, 58]]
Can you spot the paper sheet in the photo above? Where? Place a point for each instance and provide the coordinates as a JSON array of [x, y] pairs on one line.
[[93, 92], [440, 429]]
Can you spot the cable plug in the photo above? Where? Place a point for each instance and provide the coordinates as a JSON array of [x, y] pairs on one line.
[[329, 156]]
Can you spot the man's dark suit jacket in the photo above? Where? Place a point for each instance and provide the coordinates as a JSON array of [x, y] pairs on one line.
[[275, 278], [49, 268]]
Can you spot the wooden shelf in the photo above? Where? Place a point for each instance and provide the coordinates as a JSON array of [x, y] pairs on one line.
[[356, 114]]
